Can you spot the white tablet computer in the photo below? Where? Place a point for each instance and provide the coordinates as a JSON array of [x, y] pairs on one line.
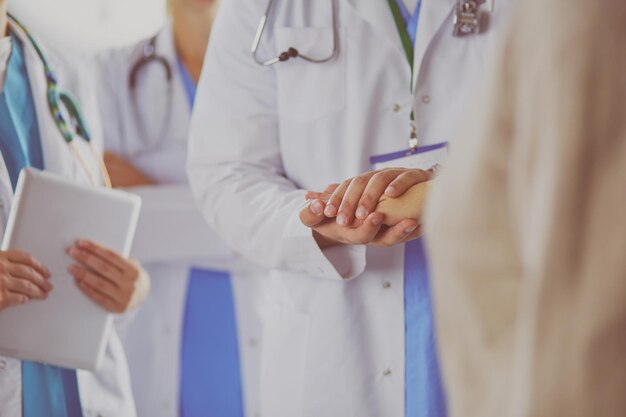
[[48, 215]]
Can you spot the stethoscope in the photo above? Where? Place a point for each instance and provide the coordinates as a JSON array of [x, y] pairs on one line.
[[149, 55], [468, 19], [60, 101], [293, 52]]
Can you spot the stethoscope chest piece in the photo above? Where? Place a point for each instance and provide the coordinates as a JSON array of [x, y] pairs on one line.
[[469, 19]]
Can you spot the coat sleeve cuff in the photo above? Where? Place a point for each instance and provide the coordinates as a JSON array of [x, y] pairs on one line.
[[341, 262]]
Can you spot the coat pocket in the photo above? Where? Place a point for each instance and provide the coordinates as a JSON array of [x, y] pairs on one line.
[[308, 91]]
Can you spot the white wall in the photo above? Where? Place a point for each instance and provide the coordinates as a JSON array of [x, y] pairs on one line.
[[87, 26]]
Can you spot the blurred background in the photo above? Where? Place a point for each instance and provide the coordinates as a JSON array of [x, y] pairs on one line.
[[88, 26]]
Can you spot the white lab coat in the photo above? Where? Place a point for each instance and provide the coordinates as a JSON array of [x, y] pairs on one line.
[[172, 236], [333, 320], [106, 393]]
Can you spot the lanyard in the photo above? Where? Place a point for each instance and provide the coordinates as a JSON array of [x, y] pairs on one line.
[[407, 45]]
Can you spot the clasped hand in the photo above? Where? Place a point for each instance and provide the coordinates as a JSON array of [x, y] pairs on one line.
[[110, 280], [378, 208]]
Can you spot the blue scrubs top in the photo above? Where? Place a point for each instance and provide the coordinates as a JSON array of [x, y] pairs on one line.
[[46, 390], [210, 371], [424, 395]]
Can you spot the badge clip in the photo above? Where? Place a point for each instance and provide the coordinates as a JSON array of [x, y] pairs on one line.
[[469, 19]]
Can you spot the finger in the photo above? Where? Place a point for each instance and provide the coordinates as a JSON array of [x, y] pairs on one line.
[[99, 282], [313, 213], [96, 264], [332, 206], [98, 297], [26, 288], [12, 299], [348, 207], [331, 188], [397, 234], [314, 195], [22, 271], [406, 180], [374, 190], [28, 260], [366, 232], [106, 254]]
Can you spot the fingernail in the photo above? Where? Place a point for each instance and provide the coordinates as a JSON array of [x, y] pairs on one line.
[[73, 251], [410, 229], [376, 220], [342, 220], [390, 190], [361, 213], [316, 207], [331, 210]]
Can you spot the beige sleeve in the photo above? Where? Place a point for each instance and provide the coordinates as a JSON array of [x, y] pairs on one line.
[[567, 195]]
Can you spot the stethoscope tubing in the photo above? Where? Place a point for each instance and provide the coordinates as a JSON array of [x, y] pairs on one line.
[[58, 98], [149, 56], [292, 52]]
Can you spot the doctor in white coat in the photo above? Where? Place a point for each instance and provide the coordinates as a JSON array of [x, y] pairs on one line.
[[147, 118], [333, 316], [106, 393]]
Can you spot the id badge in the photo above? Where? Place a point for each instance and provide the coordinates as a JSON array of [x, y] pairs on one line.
[[424, 158]]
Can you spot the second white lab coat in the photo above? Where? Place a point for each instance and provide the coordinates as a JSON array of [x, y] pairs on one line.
[[172, 236], [333, 320], [106, 393]]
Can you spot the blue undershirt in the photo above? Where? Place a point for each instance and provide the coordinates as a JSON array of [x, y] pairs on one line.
[[424, 395], [210, 372], [46, 390]]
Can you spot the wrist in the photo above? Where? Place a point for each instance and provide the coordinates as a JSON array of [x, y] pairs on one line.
[[324, 242], [141, 289]]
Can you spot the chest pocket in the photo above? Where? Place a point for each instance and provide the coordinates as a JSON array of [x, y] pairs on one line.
[[309, 91]]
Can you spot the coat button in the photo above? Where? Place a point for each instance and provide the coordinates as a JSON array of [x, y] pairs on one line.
[[3, 364], [387, 372], [396, 107], [425, 99], [386, 285]]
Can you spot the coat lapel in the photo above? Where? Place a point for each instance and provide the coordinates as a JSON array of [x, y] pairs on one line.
[[433, 15], [179, 106], [378, 14], [56, 154], [156, 103]]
